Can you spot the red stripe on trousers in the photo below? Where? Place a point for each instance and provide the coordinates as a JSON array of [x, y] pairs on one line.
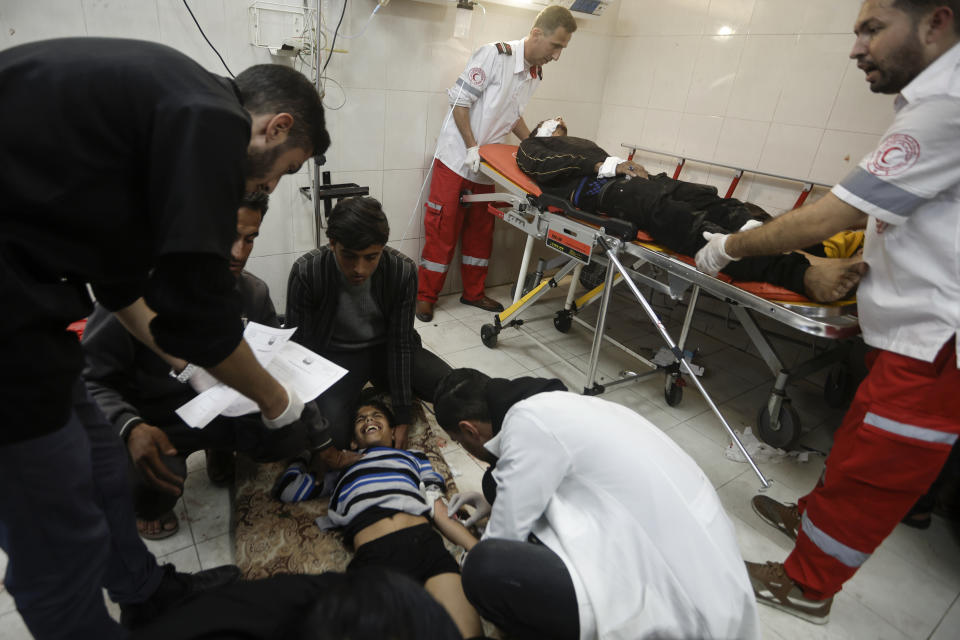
[[873, 477], [472, 225]]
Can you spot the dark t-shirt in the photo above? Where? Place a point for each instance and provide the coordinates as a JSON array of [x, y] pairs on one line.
[[121, 165]]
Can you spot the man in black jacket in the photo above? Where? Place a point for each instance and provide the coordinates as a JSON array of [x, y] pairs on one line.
[[123, 166], [353, 303], [675, 213]]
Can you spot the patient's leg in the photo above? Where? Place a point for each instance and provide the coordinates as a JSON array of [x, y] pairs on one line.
[[448, 591]]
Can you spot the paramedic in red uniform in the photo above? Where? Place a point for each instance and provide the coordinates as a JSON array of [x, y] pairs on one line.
[[905, 417], [488, 101]]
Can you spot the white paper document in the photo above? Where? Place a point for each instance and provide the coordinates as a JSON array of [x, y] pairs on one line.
[[290, 363]]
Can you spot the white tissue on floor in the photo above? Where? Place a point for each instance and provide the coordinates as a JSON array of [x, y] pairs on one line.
[[760, 451]]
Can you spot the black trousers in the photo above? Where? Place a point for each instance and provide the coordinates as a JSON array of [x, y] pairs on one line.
[[337, 403], [246, 434], [677, 213], [523, 588]]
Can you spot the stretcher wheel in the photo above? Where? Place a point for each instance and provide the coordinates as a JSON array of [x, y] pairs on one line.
[[562, 321], [672, 391], [488, 335], [839, 386], [785, 432]]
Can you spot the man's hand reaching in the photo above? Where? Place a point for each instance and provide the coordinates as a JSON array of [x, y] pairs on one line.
[[713, 256], [476, 500], [147, 446]]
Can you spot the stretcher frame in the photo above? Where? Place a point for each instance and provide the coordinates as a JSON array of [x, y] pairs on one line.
[[532, 214]]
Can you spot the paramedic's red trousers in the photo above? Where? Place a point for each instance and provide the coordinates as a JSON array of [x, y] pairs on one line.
[[887, 452], [446, 221]]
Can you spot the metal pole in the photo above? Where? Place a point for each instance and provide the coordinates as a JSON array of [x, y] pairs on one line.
[[601, 325], [316, 166], [678, 354]]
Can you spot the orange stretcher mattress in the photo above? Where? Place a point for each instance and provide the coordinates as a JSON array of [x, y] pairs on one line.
[[503, 159]]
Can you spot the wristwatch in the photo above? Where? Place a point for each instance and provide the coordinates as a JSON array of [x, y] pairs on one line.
[[184, 375]]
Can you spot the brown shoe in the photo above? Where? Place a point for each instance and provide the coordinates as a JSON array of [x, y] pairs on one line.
[[220, 467], [773, 587], [424, 311], [785, 517], [485, 303]]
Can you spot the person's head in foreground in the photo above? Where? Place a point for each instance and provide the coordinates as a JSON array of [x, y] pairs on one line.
[[897, 39], [253, 207], [373, 425], [555, 127], [549, 36], [461, 407], [374, 604], [288, 124], [358, 231]]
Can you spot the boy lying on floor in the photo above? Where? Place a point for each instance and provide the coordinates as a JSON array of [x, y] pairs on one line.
[[383, 502], [677, 214]]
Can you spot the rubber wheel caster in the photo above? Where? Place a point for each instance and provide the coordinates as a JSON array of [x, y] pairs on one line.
[[785, 433], [562, 321], [672, 392], [838, 388], [488, 335]]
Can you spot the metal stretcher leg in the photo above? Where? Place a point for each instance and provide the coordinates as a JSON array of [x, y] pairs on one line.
[[524, 265], [609, 246]]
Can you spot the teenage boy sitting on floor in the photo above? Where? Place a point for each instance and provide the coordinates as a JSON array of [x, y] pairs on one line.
[[383, 502]]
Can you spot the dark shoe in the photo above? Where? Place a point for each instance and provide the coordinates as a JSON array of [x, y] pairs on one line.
[[773, 587], [174, 588], [485, 303], [220, 467], [424, 311], [785, 517]]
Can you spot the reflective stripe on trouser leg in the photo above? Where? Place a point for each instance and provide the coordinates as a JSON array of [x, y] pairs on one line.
[[442, 222], [891, 446], [476, 244]]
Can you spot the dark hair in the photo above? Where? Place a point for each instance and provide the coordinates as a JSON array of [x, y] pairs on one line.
[[274, 88], [372, 603], [919, 8], [555, 16], [461, 395], [357, 223], [380, 406], [256, 200]]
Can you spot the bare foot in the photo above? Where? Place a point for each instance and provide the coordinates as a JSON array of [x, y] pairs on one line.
[[831, 279], [163, 527]]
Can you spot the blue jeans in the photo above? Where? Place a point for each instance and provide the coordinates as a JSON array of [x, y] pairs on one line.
[[67, 525]]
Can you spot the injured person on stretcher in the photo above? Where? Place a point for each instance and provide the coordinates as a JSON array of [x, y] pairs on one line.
[[677, 214]]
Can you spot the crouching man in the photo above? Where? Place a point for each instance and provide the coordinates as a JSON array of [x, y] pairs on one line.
[[602, 526]]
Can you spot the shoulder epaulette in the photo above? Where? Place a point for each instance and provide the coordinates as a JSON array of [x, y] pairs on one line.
[[504, 49]]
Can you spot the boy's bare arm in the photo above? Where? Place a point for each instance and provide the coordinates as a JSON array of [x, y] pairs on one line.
[[452, 529]]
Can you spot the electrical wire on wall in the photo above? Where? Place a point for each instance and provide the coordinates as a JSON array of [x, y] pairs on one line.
[[190, 11]]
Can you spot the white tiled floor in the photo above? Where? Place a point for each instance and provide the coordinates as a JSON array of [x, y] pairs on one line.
[[910, 588]]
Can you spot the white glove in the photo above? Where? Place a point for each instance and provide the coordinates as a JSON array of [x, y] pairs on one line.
[[476, 500], [201, 380], [290, 415], [751, 224], [473, 159], [712, 257]]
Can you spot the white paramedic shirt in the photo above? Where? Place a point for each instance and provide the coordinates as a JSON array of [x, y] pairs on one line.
[[909, 300], [636, 522], [496, 87]]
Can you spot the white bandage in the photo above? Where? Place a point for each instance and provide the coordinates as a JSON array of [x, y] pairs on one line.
[[609, 167], [547, 127], [201, 380], [432, 493]]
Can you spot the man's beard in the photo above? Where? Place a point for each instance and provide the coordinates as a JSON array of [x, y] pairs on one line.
[[901, 68], [258, 164]]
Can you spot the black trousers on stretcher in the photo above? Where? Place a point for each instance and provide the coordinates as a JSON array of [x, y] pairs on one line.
[[677, 213]]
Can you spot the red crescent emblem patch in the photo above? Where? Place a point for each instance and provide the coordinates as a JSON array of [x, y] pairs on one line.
[[476, 76], [896, 153]]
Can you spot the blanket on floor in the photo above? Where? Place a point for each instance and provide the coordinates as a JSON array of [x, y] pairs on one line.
[[272, 537]]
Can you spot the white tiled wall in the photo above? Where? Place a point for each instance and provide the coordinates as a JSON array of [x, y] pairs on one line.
[[761, 84], [386, 96]]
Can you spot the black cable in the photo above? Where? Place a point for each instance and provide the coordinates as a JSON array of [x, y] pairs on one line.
[[334, 41], [208, 39]]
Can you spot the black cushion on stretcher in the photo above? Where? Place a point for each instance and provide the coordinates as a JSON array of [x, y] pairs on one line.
[[622, 229]]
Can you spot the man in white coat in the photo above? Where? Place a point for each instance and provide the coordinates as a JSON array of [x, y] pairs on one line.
[[602, 527]]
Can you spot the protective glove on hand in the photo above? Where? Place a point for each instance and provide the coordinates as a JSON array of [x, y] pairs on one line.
[[713, 257], [289, 415], [473, 159], [476, 500]]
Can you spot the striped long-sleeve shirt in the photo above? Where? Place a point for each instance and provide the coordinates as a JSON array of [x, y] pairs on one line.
[[312, 296], [385, 480]]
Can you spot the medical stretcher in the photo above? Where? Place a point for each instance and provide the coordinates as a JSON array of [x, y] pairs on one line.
[[577, 234]]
